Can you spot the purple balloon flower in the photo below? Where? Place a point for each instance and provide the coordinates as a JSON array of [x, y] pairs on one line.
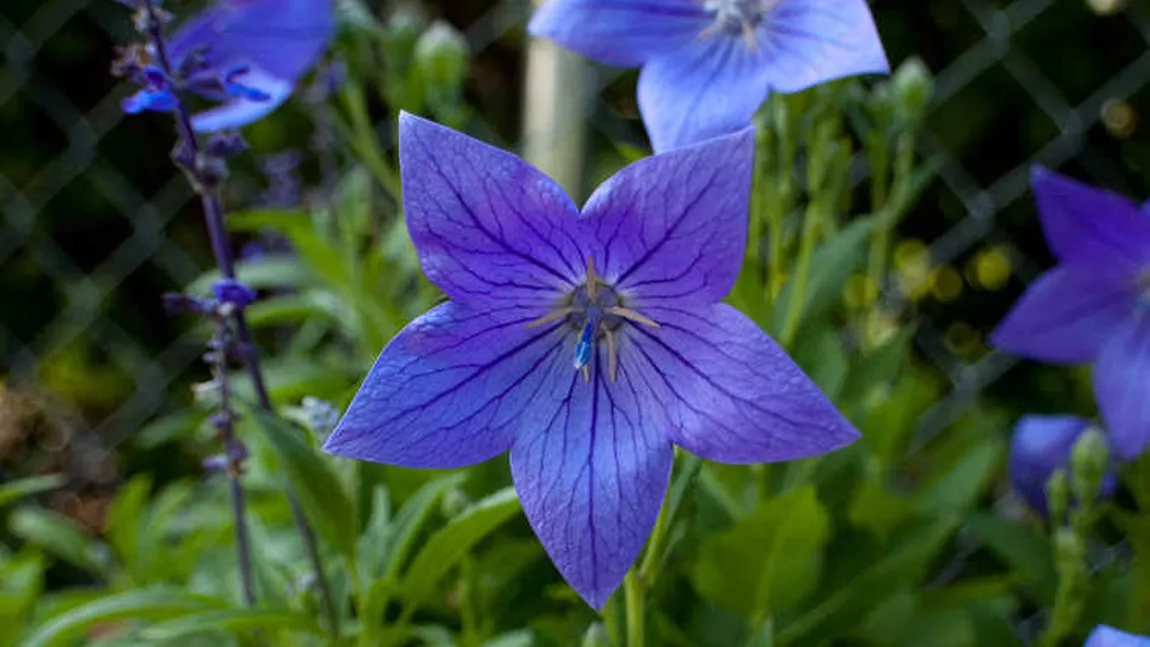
[[1092, 307], [1041, 445], [249, 54], [1104, 636], [709, 64], [586, 343]]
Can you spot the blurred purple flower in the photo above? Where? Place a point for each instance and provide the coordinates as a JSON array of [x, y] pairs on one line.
[[248, 54], [1104, 636], [586, 343], [234, 292], [1041, 445], [709, 64], [1092, 307]]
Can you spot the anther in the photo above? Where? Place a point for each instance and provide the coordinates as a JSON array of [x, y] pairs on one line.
[[612, 361], [631, 315], [552, 316]]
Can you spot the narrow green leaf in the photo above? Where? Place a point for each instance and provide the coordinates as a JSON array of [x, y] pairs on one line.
[[138, 604], [831, 265], [60, 537], [324, 501], [1024, 550], [18, 489], [819, 351], [876, 373], [126, 517], [960, 487], [449, 544], [410, 518], [231, 620]]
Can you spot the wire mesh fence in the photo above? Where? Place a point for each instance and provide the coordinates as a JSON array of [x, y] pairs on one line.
[[95, 225]]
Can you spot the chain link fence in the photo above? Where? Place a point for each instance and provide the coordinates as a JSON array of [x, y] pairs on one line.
[[95, 223]]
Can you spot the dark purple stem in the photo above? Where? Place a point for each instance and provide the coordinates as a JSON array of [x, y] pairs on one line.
[[221, 247]]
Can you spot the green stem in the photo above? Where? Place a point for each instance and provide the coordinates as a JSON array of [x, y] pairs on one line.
[[802, 272], [880, 238], [1140, 600], [633, 595]]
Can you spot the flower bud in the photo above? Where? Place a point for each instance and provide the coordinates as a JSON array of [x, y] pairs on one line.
[[596, 636], [454, 502], [913, 86], [1041, 445], [233, 292], [1089, 460], [441, 58], [1058, 496]]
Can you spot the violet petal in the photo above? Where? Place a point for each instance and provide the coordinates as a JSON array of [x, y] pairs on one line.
[[1089, 225], [673, 227], [1121, 375], [1067, 314], [1040, 445], [489, 228], [729, 392], [240, 111], [1105, 636], [626, 33], [591, 474], [804, 43], [452, 388]]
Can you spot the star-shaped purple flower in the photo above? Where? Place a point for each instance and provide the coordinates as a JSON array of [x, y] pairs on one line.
[[586, 343], [709, 64], [1041, 445], [249, 54], [1104, 636], [1092, 307]]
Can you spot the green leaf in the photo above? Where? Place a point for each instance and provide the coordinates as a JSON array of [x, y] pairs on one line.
[[877, 509], [451, 543], [61, 537], [1024, 550], [874, 376], [230, 620], [138, 604], [990, 628], [411, 516], [831, 265], [126, 518], [327, 506], [960, 487], [20, 488], [768, 560], [840, 610], [819, 351]]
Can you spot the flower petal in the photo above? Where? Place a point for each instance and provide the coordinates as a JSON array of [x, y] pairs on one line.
[[489, 228], [451, 389], [240, 111], [1067, 314], [673, 227], [1105, 636], [1121, 376], [709, 87], [625, 33], [730, 393], [803, 43], [591, 475], [1088, 225]]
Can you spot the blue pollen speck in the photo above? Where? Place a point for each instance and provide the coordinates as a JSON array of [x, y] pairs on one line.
[[583, 349]]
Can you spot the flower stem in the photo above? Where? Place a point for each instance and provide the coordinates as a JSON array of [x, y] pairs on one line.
[[221, 248], [633, 595], [802, 272]]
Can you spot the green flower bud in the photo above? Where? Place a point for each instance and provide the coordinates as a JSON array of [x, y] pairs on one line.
[[1058, 496], [441, 57], [596, 636], [453, 503], [1088, 463], [400, 35], [913, 86]]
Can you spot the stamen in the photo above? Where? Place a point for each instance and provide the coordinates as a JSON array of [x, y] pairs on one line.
[[592, 279], [586, 374], [631, 315], [553, 316], [612, 361]]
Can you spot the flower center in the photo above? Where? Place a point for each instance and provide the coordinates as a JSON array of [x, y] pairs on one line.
[[596, 312], [735, 17]]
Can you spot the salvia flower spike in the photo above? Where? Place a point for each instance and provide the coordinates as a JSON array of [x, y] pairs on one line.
[[246, 54], [585, 343], [1093, 306], [707, 65]]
